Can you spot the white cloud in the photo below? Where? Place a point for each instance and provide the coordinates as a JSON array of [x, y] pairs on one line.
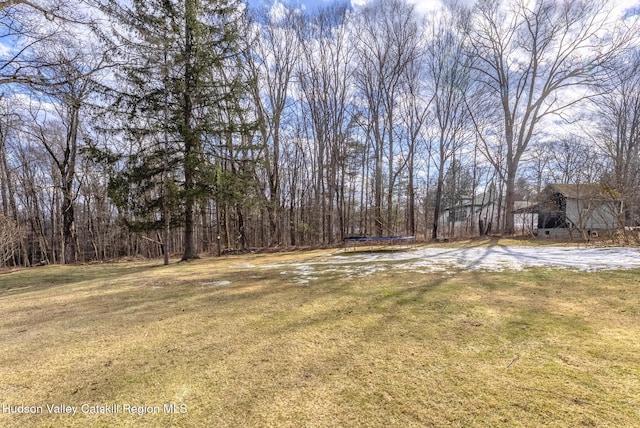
[[424, 6], [277, 12], [4, 50]]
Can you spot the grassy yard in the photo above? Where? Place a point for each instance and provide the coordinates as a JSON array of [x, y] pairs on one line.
[[262, 340]]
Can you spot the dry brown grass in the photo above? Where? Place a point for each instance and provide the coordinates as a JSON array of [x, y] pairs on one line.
[[242, 342]]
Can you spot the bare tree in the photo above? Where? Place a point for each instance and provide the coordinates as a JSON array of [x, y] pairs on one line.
[[448, 82], [271, 65], [573, 160], [415, 107], [28, 25], [618, 116], [9, 124], [325, 77], [535, 60], [10, 228], [387, 37], [11, 236], [60, 136]]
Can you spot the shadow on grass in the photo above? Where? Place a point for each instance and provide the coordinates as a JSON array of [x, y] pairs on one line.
[[263, 297], [272, 335], [42, 278], [385, 297], [248, 291]]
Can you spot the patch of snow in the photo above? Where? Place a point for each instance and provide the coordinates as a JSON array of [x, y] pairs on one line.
[[500, 258], [304, 269], [443, 260], [494, 258], [217, 283]]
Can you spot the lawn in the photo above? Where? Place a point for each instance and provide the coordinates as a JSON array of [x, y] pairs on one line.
[[280, 340]]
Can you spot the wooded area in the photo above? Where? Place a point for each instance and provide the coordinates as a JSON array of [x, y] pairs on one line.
[[183, 127]]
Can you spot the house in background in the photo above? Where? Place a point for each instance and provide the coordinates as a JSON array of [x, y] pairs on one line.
[[562, 211], [479, 215], [577, 210]]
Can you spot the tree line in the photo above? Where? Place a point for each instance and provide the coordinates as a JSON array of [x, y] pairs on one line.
[[165, 127]]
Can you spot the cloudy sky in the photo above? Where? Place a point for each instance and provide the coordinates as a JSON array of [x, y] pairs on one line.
[[421, 5], [308, 4], [314, 4]]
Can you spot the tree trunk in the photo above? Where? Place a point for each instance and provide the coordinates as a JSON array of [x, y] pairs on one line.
[[411, 195], [438, 199], [509, 203], [241, 228], [68, 227], [190, 139]]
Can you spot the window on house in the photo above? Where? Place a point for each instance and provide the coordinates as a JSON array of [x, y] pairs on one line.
[[459, 214]]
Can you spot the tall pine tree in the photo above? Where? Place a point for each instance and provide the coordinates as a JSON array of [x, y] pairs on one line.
[[179, 69]]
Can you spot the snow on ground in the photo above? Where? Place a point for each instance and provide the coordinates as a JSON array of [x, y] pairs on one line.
[[217, 283], [498, 258], [436, 259]]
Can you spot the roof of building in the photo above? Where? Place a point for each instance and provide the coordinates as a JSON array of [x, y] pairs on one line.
[[480, 200], [586, 191]]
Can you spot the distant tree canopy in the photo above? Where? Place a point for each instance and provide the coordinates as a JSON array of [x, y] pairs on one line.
[[182, 127]]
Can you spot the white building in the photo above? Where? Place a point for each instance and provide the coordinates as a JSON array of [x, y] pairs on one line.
[[480, 215], [578, 210]]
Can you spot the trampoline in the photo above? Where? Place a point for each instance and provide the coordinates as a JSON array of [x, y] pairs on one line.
[[355, 241]]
